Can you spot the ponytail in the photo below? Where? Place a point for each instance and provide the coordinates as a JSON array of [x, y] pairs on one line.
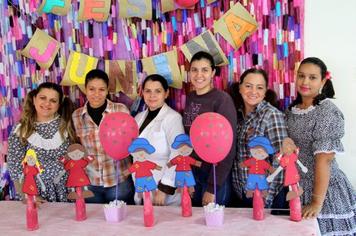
[[65, 110]]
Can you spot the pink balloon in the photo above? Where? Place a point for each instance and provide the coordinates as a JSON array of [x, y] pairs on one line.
[[116, 132], [211, 135], [186, 3]]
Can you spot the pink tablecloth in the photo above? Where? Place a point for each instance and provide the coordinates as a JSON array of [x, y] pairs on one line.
[[58, 219]]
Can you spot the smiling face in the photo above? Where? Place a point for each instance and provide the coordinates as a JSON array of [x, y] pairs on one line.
[[154, 95], [96, 92], [46, 103], [201, 75], [258, 153], [253, 90], [75, 155], [185, 150], [140, 155], [309, 80]]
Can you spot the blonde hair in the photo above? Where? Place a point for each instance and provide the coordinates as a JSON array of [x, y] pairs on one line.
[[31, 152]]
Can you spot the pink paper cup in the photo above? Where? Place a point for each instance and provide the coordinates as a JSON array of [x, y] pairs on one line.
[[215, 218], [115, 214]]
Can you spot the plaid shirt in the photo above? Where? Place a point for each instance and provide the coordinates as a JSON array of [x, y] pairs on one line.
[[88, 132], [266, 121]]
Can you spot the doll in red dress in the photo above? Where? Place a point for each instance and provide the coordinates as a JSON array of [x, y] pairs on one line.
[[288, 160], [75, 163], [31, 170]]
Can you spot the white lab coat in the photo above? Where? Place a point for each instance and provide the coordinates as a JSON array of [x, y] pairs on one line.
[[161, 133]]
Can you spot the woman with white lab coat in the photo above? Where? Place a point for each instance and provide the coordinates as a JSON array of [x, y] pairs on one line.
[[160, 124]]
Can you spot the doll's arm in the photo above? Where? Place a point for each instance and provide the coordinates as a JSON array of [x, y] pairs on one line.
[[158, 167], [274, 174], [303, 167], [198, 163], [58, 177], [169, 164], [43, 187]]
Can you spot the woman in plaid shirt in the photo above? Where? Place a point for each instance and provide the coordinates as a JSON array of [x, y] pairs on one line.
[[256, 117], [86, 121]]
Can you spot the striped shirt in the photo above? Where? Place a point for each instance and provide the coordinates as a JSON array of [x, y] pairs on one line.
[[266, 121], [88, 132]]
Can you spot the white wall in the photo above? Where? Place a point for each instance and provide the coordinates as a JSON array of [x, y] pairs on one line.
[[330, 34]]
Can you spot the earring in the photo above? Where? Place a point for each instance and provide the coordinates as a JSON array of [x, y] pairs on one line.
[[321, 90]]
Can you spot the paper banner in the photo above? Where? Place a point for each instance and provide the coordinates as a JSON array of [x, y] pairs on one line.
[[136, 8], [236, 25], [58, 7], [78, 66], [122, 77], [94, 9], [205, 42], [170, 5], [42, 48], [165, 64]]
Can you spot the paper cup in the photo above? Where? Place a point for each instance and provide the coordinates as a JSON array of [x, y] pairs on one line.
[[115, 214]]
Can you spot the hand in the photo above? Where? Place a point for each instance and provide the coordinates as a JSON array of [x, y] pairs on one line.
[[159, 198], [311, 211], [208, 198], [270, 178]]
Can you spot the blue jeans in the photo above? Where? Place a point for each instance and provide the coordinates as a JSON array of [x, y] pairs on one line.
[[125, 192], [201, 179]]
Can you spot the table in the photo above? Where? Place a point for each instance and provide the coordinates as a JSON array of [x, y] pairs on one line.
[[58, 219]]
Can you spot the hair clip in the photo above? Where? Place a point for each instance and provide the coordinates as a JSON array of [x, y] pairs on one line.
[[328, 75]]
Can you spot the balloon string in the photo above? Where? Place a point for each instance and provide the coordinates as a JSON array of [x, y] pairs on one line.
[[117, 182], [214, 183]]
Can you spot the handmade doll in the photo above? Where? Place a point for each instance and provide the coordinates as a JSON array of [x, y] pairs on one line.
[[260, 149], [75, 162], [184, 176], [287, 160], [140, 149], [31, 170]]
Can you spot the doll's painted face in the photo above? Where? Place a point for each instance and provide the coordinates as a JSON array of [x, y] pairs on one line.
[[140, 154], [185, 150], [75, 155], [31, 160], [288, 146], [258, 153]]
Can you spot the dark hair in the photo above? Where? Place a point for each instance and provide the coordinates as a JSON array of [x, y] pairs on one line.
[[234, 89], [204, 55], [97, 74], [158, 78], [65, 110], [328, 88]]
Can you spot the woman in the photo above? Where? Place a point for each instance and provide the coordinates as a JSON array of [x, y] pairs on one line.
[[103, 174], [256, 117], [317, 126], [160, 124], [206, 98], [45, 126]]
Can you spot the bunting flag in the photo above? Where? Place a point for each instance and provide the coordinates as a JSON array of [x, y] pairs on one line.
[[236, 25], [94, 9], [78, 66], [165, 64], [122, 77], [276, 45], [42, 48], [136, 8], [58, 7], [205, 42]]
